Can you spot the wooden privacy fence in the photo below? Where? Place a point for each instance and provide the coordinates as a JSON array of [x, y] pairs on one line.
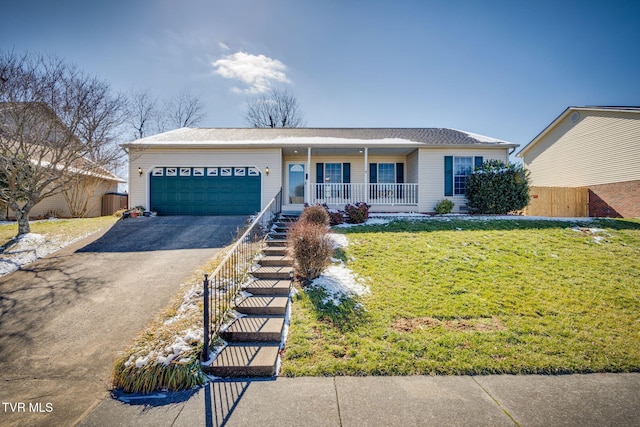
[[558, 202], [112, 202]]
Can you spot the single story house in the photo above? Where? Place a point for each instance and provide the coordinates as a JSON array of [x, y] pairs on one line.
[[198, 171], [591, 147]]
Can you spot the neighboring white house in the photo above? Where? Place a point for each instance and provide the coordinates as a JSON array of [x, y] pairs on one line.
[[593, 147], [197, 171]]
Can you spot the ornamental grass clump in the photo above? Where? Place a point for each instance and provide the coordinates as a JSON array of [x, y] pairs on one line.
[[311, 248]]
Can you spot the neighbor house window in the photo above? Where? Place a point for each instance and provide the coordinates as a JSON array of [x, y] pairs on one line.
[[462, 168]]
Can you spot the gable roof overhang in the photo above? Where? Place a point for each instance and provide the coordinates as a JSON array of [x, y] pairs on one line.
[[568, 111], [290, 139]]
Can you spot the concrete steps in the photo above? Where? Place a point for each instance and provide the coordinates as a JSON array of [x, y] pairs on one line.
[[273, 287], [263, 305], [254, 339], [276, 261], [255, 329], [246, 360]]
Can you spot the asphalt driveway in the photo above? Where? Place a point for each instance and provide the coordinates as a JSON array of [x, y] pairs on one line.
[[64, 318]]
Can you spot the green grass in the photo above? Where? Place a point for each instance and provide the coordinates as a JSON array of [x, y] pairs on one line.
[[59, 229], [477, 297]]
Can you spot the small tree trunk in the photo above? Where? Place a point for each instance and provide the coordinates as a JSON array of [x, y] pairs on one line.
[[22, 215], [23, 222]]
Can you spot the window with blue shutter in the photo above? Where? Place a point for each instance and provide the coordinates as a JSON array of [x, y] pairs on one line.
[[319, 180], [448, 175]]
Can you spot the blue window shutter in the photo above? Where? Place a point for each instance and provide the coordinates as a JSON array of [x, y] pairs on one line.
[[320, 180], [448, 175], [346, 173], [346, 178], [399, 173], [399, 179], [373, 179], [477, 161], [319, 173]]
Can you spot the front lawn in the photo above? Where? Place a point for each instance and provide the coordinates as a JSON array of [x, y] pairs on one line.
[[477, 297]]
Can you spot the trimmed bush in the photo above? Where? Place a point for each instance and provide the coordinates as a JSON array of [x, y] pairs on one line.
[[444, 206], [311, 249], [497, 188], [316, 214], [335, 217], [358, 213]]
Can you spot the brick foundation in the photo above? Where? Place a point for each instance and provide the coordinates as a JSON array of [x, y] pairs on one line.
[[617, 200]]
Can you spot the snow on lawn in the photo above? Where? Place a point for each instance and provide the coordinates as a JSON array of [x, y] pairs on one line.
[[386, 218], [30, 247], [339, 282]]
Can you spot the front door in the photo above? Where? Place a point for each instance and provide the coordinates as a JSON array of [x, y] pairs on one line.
[[295, 183]]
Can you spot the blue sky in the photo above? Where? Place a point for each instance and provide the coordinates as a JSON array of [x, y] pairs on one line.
[[505, 68]]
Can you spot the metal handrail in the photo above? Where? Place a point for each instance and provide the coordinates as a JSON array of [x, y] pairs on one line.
[[223, 285]]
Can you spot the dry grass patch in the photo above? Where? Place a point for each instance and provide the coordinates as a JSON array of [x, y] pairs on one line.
[[482, 324]]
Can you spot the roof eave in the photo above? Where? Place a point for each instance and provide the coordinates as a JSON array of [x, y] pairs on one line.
[[562, 116]]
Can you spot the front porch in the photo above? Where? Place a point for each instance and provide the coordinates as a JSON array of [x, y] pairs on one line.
[[385, 178], [372, 194]]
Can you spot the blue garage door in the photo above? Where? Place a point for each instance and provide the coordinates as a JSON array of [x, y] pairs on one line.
[[205, 191]]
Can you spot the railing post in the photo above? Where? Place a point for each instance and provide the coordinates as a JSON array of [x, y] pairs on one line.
[[205, 349]]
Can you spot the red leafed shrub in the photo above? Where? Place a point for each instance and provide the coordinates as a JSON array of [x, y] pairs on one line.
[[358, 213], [335, 217], [311, 249]]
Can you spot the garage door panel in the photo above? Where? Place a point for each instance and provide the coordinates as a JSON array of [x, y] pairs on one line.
[[192, 192]]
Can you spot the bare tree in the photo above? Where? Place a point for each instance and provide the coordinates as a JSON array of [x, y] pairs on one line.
[[147, 115], [184, 110], [276, 109], [142, 112], [56, 124]]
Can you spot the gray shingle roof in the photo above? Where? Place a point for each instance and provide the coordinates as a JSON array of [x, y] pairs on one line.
[[426, 136]]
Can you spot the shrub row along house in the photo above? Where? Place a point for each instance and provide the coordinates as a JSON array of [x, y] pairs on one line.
[[198, 171]]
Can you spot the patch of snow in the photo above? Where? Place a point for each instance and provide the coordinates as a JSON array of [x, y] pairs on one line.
[[29, 247], [594, 232], [213, 354], [338, 281], [370, 221], [339, 240]]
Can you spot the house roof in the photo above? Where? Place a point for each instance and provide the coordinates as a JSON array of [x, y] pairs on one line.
[[570, 110], [283, 137]]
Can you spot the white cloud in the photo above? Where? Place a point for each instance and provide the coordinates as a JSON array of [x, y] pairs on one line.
[[223, 46], [255, 71]]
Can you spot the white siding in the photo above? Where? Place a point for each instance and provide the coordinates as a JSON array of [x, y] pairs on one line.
[[432, 173], [602, 147], [156, 157], [412, 168]]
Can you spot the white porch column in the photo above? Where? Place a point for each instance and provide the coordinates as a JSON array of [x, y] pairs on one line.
[[366, 175], [307, 177]]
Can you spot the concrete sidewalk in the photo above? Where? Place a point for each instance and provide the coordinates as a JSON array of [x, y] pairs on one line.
[[501, 400]]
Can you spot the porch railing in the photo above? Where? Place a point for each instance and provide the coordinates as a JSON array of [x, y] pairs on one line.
[[374, 194], [223, 286]]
